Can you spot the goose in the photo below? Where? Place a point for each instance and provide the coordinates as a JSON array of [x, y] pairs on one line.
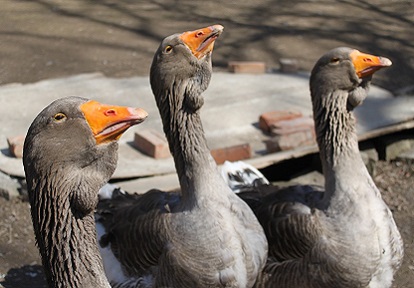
[[345, 236], [70, 152], [203, 236]]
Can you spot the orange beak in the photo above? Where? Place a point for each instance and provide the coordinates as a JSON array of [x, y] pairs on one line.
[[201, 41], [109, 122], [366, 64]]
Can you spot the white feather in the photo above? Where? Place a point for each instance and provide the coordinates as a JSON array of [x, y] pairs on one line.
[[107, 190], [240, 175]]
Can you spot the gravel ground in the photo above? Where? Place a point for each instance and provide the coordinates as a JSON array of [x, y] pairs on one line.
[[41, 39]]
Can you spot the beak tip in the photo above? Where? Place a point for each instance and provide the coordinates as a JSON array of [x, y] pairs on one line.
[[385, 61], [218, 27], [141, 113]]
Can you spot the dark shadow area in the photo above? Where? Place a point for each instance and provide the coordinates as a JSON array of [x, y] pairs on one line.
[[292, 168], [28, 276], [6, 152]]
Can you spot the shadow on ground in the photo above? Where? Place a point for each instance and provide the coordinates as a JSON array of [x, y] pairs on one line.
[[28, 276], [119, 38]]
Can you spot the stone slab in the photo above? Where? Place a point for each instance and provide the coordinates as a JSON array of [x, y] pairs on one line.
[[233, 104]]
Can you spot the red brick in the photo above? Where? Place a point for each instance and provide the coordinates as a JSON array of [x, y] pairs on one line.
[[247, 67], [290, 141], [266, 120], [292, 126], [152, 143], [232, 153], [16, 145]]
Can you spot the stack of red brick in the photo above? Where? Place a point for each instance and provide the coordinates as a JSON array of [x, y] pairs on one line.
[[154, 144], [289, 130]]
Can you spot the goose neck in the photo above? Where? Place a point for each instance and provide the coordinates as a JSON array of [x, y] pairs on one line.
[[185, 134], [66, 238], [335, 129], [338, 146]]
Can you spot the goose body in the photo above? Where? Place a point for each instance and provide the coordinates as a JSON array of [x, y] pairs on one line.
[[345, 236], [203, 236], [70, 152]]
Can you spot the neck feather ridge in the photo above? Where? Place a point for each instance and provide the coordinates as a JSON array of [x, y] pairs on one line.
[[186, 139], [338, 146], [335, 129], [66, 240]]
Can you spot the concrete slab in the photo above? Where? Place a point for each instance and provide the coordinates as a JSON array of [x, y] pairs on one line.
[[232, 107]]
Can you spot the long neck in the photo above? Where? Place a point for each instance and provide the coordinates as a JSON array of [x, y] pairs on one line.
[[66, 236], [183, 128], [338, 144]]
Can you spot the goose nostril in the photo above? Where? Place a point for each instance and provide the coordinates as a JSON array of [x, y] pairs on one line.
[[110, 112], [199, 34]]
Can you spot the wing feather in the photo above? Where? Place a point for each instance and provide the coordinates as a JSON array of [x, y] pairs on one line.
[[136, 227]]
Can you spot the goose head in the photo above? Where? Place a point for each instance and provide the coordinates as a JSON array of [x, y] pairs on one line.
[[76, 138], [69, 153], [182, 66], [345, 69]]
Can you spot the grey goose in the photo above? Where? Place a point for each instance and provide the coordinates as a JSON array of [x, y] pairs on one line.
[[70, 152], [203, 236], [345, 236]]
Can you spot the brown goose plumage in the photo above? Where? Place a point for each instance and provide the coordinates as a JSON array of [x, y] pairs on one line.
[[205, 236], [70, 152], [345, 236]]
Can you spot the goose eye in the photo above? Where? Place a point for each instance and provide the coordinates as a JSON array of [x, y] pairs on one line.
[[335, 60], [59, 117], [168, 49]]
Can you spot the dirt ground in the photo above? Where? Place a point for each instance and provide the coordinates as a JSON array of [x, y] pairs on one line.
[[41, 39]]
